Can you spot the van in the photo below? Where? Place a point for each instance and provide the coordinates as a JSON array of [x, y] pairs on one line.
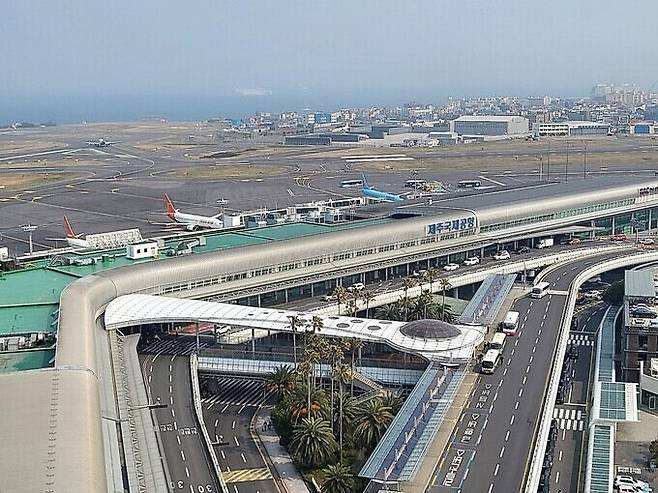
[[498, 341], [490, 361]]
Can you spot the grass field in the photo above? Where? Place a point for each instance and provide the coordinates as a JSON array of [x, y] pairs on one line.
[[228, 171], [21, 181]]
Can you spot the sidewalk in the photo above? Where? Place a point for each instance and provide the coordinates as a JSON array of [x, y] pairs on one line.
[[278, 455]]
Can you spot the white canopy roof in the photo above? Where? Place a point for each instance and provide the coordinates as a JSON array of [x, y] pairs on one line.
[[137, 309]]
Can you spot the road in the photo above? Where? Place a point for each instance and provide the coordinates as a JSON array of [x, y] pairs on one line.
[[572, 416], [168, 382], [228, 412], [490, 446]]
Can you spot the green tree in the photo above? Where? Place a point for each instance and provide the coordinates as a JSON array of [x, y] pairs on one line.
[[391, 400], [445, 286], [354, 345], [614, 294], [299, 399], [371, 423], [430, 276], [281, 381], [653, 448], [407, 283], [312, 442], [338, 478], [390, 311], [342, 374]]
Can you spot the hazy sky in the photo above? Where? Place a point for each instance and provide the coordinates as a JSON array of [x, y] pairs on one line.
[[159, 55]]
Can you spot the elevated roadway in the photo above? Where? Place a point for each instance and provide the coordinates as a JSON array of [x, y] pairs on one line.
[[491, 445]]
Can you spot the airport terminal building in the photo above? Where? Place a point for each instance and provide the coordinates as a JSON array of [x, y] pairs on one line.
[[89, 453]]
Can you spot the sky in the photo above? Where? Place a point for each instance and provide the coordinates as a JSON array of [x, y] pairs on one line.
[[87, 59]]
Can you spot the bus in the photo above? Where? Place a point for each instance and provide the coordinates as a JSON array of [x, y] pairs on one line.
[[351, 183], [469, 184], [511, 323], [540, 290], [490, 361], [414, 183]]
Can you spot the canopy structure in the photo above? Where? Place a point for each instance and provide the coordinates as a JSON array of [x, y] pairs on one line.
[[435, 342]]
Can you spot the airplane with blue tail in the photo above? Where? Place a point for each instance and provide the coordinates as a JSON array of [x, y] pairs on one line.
[[373, 193]]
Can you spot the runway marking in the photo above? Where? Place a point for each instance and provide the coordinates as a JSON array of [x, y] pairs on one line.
[[492, 181]]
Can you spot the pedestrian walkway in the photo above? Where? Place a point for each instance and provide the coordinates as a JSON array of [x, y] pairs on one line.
[[569, 419], [278, 455]]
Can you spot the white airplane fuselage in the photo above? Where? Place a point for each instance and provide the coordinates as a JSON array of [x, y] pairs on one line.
[[192, 221]]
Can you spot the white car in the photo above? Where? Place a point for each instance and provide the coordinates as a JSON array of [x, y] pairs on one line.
[[502, 255], [472, 261], [357, 286], [450, 267], [594, 294], [646, 241], [625, 482]]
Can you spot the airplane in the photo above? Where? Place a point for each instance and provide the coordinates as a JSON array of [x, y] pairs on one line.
[[368, 191], [72, 239], [191, 221], [101, 143]]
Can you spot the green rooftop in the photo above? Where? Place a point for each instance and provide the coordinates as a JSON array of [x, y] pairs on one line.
[[29, 297]]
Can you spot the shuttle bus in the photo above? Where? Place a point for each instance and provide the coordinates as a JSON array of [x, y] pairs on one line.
[[490, 361], [511, 323], [351, 183], [469, 184], [540, 290]]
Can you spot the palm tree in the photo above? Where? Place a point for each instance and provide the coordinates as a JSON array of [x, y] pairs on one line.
[[367, 297], [431, 275], [299, 399], [313, 341], [371, 423], [391, 311], [446, 314], [350, 412], [354, 345], [445, 285], [335, 356], [340, 293], [391, 399], [280, 381], [407, 283], [296, 322], [312, 442], [352, 304], [342, 374], [337, 479]]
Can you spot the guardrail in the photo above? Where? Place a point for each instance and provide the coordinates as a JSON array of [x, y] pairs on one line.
[[534, 471], [196, 398]]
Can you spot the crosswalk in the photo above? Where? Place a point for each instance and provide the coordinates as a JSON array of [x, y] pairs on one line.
[[569, 419], [241, 475], [581, 339], [182, 347], [233, 392]]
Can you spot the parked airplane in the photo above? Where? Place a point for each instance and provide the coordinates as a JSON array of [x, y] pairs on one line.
[[192, 221], [101, 143], [368, 191], [72, 239]]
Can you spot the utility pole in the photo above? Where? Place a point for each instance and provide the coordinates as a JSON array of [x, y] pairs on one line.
[[29, 229], [566, 166], [585, 162]]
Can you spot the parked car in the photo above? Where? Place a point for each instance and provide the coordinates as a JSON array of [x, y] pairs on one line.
[[502, 255], [450, 267], [357, 286], [619, 237], [419, 273], [643, 312], [328, 297], [574, 241], [594, 294], [646, 241], [523, 249], [472, 261]]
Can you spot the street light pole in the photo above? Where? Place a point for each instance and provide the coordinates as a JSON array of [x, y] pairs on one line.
[[29, 229], [566, 166], [585, 162]]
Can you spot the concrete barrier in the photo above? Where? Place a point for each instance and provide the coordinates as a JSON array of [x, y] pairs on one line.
[[196, 398]]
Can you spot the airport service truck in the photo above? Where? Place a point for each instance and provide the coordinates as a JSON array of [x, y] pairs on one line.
[[545, 243]]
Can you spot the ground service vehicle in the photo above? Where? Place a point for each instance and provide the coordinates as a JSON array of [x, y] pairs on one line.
[[490, 361], [545, 243], [414, 183], [511, 323], [539, 290], [469, 184]]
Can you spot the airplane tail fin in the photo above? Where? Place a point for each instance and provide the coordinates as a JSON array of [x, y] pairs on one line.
[[365, 181], [171, 210], [68, 228]]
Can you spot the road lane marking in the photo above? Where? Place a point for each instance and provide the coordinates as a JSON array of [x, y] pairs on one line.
[[490, 487], [505, 372], [500, 384], [242, 408], [530, 361], [237, 444], [502, 451], [216, 422], [173, 413], [182, 454], [557, 477], [223, 454], [187, 472], [511, 421], [520, 392], [516, 343], [171, 400], [171, 389], [516, 406], [244, 459], [496, 470], [527, 370], [559, 457], [178, 439], [525, 378], [172, 358], [224, 409], [233, 425], [507, 435], [170, 377]]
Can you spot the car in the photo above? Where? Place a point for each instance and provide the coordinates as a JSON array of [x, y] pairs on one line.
[[643, 312], [624, 482], [523, 249], [357, 286], [574, 241], [419, 273], [502, 255], [646, 241], [619, 237], [450, 267], [594, 294], [328, 297], [472, 261]]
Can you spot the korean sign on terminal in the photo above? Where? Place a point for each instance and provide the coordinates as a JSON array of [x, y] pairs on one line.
[[461, 224]]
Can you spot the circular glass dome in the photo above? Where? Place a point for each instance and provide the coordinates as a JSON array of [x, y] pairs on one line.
[[429, 329], [373, 327], [342, 325], [356, 321]]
